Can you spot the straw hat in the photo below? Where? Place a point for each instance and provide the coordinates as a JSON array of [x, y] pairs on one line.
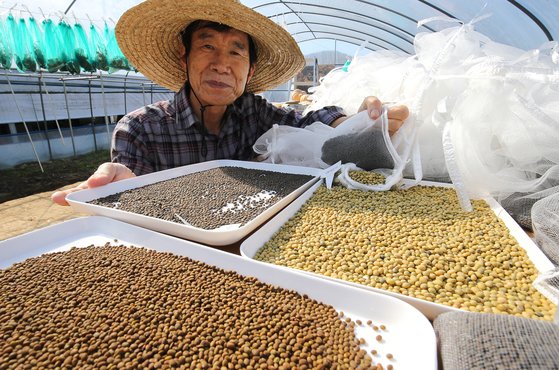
[[148, 35]]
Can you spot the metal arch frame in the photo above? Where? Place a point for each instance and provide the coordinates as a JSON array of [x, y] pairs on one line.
[[339, 40], [395, 12], [69, 6], [514, 3], [348, 29], [531, 15], [333, 39], [342, 35], [437, 8], [297, 15], [410, 41], [349, 12], [338, 9]]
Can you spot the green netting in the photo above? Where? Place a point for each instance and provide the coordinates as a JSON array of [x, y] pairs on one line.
[[52, 43], [98, 47], [5, 47], [21, 44], [116, 59], [68, 47], [85, 58], [29, 59], [38, 45], [58, 46]]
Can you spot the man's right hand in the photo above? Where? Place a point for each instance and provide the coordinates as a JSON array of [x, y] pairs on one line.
[[106, 173]]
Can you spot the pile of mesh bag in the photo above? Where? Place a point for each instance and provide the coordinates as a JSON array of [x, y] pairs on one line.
[[470, 340], [491, 341]]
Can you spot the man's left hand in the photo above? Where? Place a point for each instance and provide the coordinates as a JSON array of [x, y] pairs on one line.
[[397, 114]]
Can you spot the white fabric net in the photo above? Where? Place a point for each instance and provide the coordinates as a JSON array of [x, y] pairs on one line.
[[486, 114]]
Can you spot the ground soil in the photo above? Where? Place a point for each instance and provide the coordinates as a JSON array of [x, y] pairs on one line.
[[25, 191], [28, 178]]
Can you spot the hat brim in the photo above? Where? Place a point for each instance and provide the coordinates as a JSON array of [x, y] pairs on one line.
[[148, 35]]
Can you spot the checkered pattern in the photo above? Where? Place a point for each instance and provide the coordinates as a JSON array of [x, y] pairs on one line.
[[167, 134]]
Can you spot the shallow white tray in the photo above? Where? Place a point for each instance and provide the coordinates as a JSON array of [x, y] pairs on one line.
[[409, 336], [252, 244], [222, 236]]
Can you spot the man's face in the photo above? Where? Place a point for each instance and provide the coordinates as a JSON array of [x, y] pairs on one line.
[[218, 65]]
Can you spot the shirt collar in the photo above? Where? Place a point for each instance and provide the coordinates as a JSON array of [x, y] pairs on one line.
[[185, 116]]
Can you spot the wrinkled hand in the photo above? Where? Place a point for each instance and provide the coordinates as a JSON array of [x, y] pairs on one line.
[[106, 173], [397, 114]]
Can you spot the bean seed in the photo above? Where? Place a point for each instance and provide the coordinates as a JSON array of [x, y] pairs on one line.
[[417, 242], [148, 309], [367, 177], [208, 199]]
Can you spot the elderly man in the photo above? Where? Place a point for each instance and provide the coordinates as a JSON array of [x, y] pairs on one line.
[[216, 57]]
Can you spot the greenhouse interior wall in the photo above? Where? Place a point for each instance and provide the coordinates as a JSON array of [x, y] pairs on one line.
[[48, 116]]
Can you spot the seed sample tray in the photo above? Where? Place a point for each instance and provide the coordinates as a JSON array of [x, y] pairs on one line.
[[252, 244], [408, 336], [222, 235]]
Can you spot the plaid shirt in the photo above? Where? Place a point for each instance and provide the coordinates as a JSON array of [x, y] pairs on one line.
[[167, 134]]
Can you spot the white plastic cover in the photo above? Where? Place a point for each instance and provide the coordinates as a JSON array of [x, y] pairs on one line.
[[486, 112]]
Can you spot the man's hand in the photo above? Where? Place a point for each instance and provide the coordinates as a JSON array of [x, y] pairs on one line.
[[106, 173], [397, 114]]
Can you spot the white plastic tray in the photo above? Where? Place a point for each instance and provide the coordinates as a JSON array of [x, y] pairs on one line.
[[250, 246], [409, 336], [222, 236]]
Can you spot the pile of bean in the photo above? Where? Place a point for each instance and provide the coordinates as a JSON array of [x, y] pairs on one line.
[[367, 177], [417, 242], [208, 199], [131, 308]]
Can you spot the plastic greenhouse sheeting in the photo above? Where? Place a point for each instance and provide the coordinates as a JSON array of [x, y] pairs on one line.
[[390, 25]]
